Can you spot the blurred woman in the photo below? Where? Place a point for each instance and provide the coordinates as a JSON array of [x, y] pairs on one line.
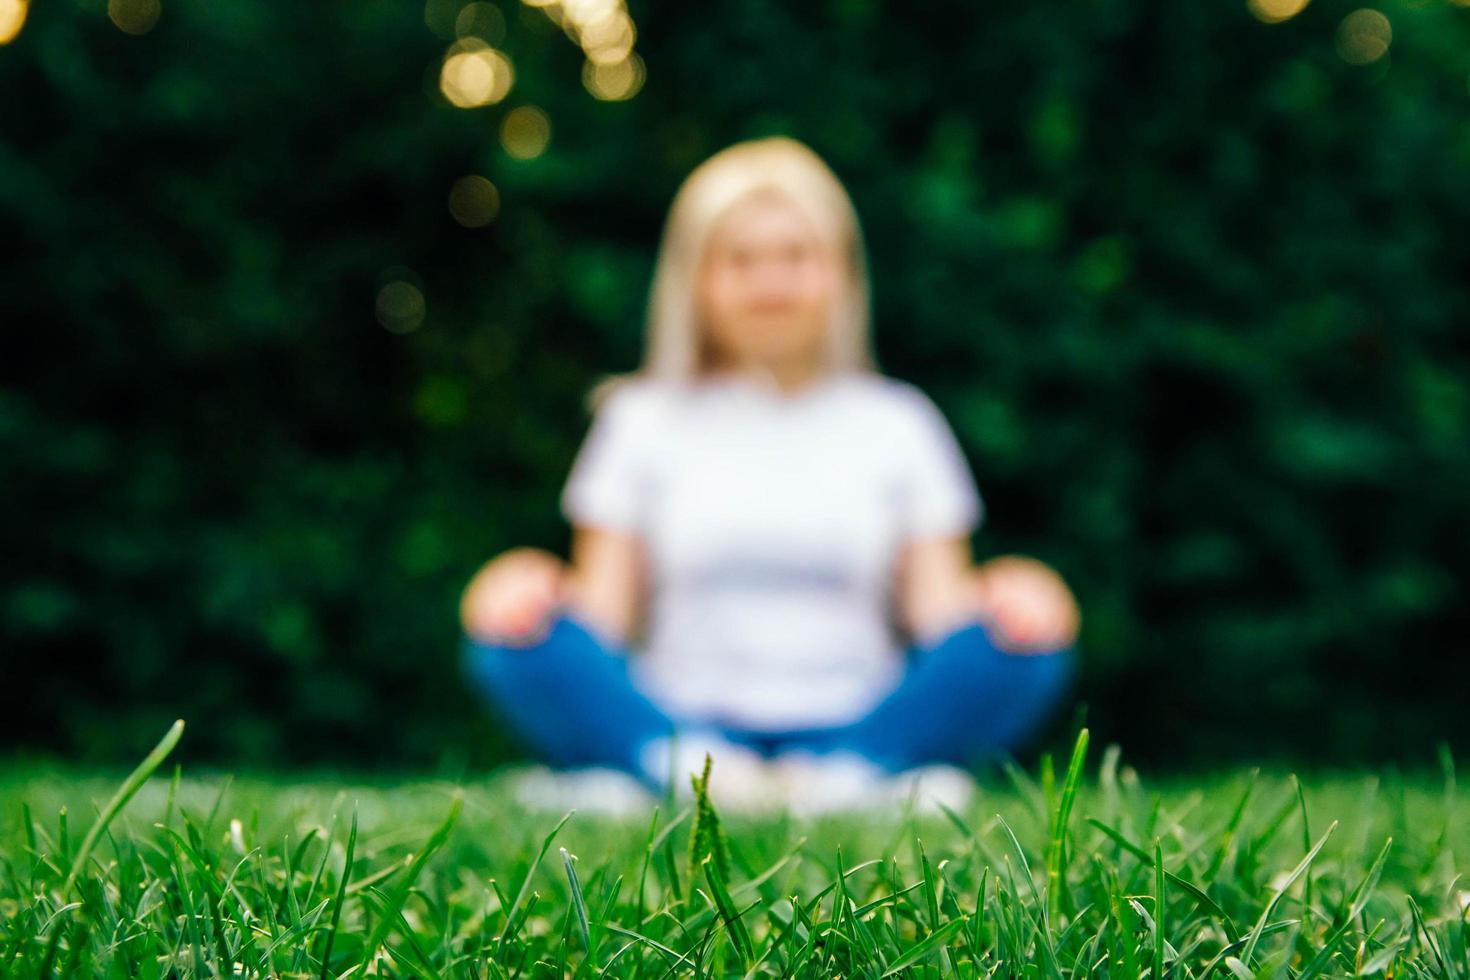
[[771, 540]]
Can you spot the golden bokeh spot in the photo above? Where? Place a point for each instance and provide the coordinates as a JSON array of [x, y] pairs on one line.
[[12, 18], [614, 82], [525, 132], [467, 45], [475, 74], [482, 20], [587, 11], [474, 201], [1363, 37], [609, 39], [1275, 11], [439, 16], [400, 307], [605, 33], [134, 16]]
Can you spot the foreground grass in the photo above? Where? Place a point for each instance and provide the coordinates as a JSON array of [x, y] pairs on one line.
[[1089, 873]]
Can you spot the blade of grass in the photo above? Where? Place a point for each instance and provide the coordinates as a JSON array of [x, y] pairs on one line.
[[341, 897], [1364, 891], [924, 947], [1055, 854], [1248, 953], [1195, 892], [125, 792], [1227, 837], [739, 935], [399, 895], [580, 905], [1158, 911], [510, 916]]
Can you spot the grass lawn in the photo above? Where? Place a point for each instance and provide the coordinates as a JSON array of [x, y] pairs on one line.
[[1090, 873]]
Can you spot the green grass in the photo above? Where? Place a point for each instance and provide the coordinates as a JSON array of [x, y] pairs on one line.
[[1092, 874]]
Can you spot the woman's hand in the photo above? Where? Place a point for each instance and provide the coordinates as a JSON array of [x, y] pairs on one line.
[[1031, 606], [1027, 603], [511, 598]]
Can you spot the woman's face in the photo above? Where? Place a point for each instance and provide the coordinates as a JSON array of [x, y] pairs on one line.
[[767, 282]]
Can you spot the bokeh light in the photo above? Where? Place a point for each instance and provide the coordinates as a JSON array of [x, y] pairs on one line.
[[1363, 37], [609, 38], [525, 132], [134, 16], [616, 81], [605, 33], [475, 74], [474, 201], [481, 20], [440, 15], [1276, 11], [400, 307], [12, 18]]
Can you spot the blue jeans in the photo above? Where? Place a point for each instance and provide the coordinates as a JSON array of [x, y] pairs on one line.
[[571, 698]]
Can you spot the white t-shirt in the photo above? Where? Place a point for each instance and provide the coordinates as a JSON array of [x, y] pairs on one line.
[[772, 523]]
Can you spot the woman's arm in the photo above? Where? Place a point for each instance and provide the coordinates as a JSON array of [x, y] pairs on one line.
[[1029, 604], [933, 590], [606, 580]]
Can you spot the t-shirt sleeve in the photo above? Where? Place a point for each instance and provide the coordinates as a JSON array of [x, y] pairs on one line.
[[940, 498], [608, 479]]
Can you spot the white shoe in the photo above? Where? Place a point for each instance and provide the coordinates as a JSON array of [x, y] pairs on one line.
[[741, 781], [930, 786], [607, 792], [831, 782]]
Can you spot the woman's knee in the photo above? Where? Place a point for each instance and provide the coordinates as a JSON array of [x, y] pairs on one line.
[[982, 676], [1055, 673], [1039, 672]]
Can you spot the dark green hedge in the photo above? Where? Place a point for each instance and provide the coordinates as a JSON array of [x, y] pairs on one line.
[[1190, 287]]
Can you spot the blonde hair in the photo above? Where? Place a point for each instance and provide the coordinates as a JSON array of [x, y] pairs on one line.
[[673, 348]]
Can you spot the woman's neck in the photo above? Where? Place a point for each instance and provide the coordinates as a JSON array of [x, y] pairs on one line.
[[789, 377], [794, 378]]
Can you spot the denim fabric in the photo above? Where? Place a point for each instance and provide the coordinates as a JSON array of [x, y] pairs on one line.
[[570, 696]]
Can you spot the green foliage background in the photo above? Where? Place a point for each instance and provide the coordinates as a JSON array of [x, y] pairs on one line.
[[1189, 287]]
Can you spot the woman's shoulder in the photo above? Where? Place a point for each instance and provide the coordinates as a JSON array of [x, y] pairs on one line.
[[630, 395], [892, 401]]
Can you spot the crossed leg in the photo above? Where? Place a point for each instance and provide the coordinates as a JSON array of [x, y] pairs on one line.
[[572, 698]]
